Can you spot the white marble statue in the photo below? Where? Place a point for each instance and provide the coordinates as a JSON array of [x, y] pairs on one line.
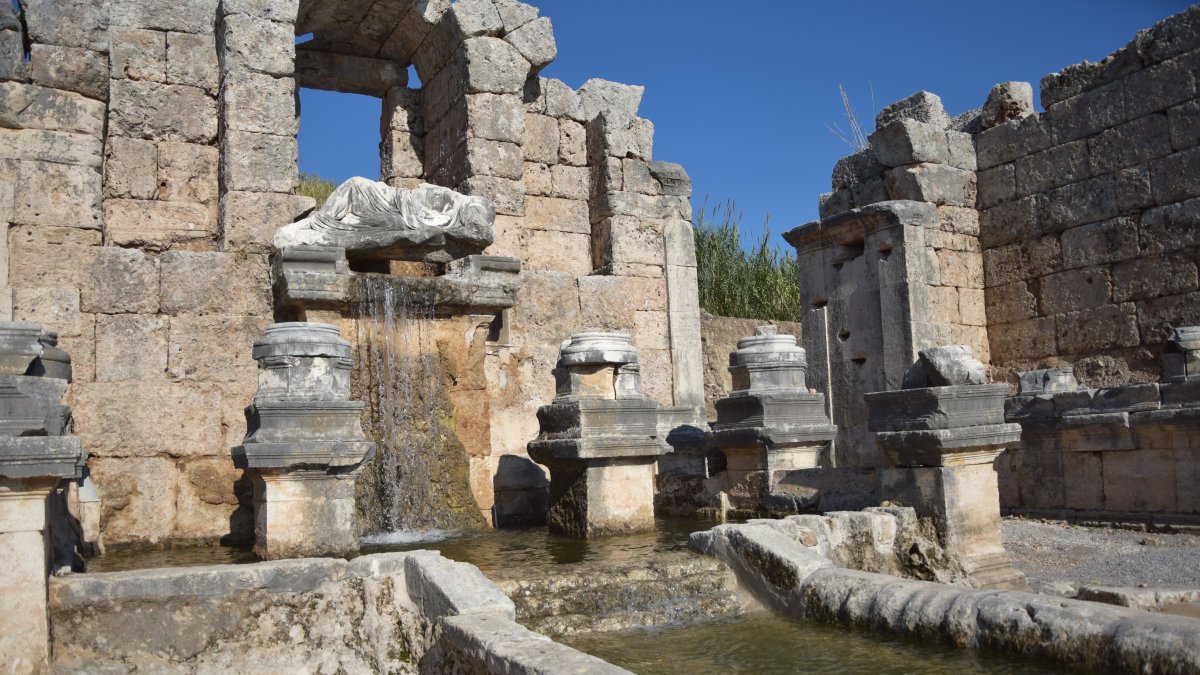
[[363, 214]]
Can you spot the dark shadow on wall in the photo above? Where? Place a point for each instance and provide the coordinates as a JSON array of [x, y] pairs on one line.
[[522, 493]]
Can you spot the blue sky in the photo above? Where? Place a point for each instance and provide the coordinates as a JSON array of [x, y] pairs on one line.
[[741, 93]]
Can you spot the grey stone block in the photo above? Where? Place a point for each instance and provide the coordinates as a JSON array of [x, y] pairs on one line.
[[907, 141], [1056, 166], [934, 183], [1176, 177], [444, 588], [831, 204], [1099, 243], [259, 45], [944, 367], [186, 17], [192, 60], [535, 41], [1171, 228], [860, 167], [142, 109], [1088, 113], [922, 106], [949, 407], [1074, 290], [1087, 201], [1184, 120], [597, 96], [1135, 142], [1134, 190], [1160, 86], [1006, 142], [1007, 101], [71, 69], [672, 178], [995, 186]]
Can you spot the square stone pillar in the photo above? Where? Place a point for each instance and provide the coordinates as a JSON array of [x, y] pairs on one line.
[[942, 442], [599, 437], [304, 513], [24, 623]]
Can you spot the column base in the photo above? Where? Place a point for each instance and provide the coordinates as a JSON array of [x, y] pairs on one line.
[[593, 497], [24, 623], [304, 514]]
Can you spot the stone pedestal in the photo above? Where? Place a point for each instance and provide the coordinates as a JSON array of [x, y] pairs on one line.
[[304, 444], [942, 442], [599, 437], [770, 424], [35, 455]]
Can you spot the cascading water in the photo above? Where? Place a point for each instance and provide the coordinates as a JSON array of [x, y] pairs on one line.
[[419, 478]]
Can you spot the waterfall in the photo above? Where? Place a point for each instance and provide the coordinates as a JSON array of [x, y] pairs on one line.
[[419, 478]]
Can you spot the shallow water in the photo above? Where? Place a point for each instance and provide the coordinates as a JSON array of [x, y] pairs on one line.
[[764, 644], [141, 559]]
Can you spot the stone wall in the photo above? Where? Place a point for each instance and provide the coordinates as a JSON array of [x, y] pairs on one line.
[[719, 335], [1088, 212]]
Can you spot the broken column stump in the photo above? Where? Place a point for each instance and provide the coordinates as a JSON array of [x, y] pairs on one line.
[[941, 435], [36, 453], [304, 444], [770, 423], [599, 438]]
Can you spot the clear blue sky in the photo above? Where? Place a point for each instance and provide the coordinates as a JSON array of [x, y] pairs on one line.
[[741, 93]]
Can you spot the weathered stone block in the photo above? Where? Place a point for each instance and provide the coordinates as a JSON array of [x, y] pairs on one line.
[[613, 299], [113, 420], [142, 109], [1134, 191], [572, 143], [214, 283], [12, 56], [597, 95], [1010, 302], [1007, 101], [537, 180], [1098, 243], [213, 348], [1176, 177], [922, 106], [1157, 316], [491, 158], [59, 147], [1079, 203], [131, 347], [1133, 142], [960, 268], [249, 219], [857, 168], [907, 141], [1139, 481], [1169, 228], [1075, 289], [59, 195], [535, 42], [1184, 123], [30, 247], [258, 45], [187, 173], [259, 162], [80, 23], [260, 103], [213, 501], [70, 68], [495, 117], [637, 178], [562, 101], [273, 10], [541, 139], [120, 280], [191, 17], [558, 252], [401, 156], [1053, 167], [870, 192], [562, 215], [996, 185], [27, 106], [130, 168], [1160, 86], [56, 308], [1151, 277], [1006, 142], [1022, 260], [961, 221], [627, 239], [569, 182], [1088, 113], [507, 195], [932, 183], [1096, 328], [1023, 340], [157, 224], [137, 498], [138, 54], [830, 204], [492, 65]]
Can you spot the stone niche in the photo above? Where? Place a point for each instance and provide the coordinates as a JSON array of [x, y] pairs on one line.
[[599, 436]]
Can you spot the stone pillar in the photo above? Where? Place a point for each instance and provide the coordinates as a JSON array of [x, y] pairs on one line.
[[770, 423], [941, 435], [304, 444], [35, 454], [599, 438]]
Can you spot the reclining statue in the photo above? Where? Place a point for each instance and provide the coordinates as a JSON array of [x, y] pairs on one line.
[[371, 219]]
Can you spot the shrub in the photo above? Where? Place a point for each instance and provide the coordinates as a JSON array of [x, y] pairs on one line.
[[312, 185], [761, 283]]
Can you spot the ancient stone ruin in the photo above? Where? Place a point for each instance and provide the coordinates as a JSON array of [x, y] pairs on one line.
[[999, 316]]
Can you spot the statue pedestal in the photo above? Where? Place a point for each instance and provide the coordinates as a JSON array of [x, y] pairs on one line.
[[300, 514], [24, 624]]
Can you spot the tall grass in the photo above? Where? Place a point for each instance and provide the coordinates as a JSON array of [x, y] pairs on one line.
[[312, 185], [759, 283]]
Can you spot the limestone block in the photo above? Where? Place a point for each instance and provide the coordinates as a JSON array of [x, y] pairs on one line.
[[1006, 142], [1088, 113], [1096, 328], [213, 348], [141, 109], [259, 45], [1079, 203], [612, 300], [1053, 167], [561, 215], [1140, 481], [1156, 316], [1010, 302], [30, 247], [1023, 340], [541, 139], [627, 239], [492, 65], [56, 308], [260, 103], [932, 183], [79, 23], [130, 347], [607, 176], [401, 156], [138, 54], [1160, 86], [214, 283], [996, 186], [637, 178], [859, 167], [1017, 261], [1007, 101], [130, 168], [1134, 192], [192, 61], [70, 68], [569, 182], [537, 180], [496, 117], [249, 219], [213, 501], [113, 420], [1170, 228], [651, 331], [1109, 241], [535, 42], [922, 106], [1151, 277], [961, 269], [491, 158], [558, 252], [562, 101], [187, 172], [1184, 121], [572, 143], [972, 308], [191, 17], [620, 100], [27, 106], [943, 304], [1075, 289], [475, 17], [830, 204], [12, 56], [547, 309], [870, 192], [507, 195], [907, 141], [157, 224], [59, 147], [59, 195], [119, 280], [1131, 143], [274, 10], [259, 162], [1175, 178], [625, 137], [137, 498]]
